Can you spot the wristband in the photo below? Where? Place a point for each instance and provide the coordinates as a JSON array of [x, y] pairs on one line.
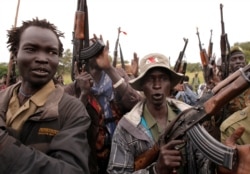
[[118, 83]]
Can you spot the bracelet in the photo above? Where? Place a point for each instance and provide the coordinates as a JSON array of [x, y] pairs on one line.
[[118, 83]]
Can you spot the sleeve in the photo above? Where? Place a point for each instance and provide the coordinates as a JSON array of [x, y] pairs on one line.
[[126, 97], [68, 150]]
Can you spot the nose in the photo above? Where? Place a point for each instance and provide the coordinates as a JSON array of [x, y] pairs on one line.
[[157, 84], [42, 58]]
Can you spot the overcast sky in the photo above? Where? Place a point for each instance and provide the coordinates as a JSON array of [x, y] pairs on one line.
[[151, 25]]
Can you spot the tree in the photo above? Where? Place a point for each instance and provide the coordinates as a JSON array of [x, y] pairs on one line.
[[3, 69], [65, 63]]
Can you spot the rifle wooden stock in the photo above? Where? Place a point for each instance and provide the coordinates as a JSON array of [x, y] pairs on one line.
[[147, 158], [210, 47], [80, 35], [225, 91]]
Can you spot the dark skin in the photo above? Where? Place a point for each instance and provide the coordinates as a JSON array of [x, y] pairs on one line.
[[37, 59], [97, 64], [243, 162], [156, 87], [237, 62]]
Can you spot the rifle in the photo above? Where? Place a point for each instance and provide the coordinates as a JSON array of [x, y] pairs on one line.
[[82, 50], [116, 47], [187, 122], [177, 67], [121, 55], [11, 75], [210, 50], [207, 68], [224, 45]]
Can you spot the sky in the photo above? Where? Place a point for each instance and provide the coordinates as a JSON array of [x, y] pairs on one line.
[[151, 25]]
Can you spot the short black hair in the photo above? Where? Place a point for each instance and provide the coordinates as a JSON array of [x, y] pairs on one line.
[[14, 34]]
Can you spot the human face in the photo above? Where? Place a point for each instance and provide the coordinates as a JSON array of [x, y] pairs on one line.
[[37, 56], [156, 86], [236, 62]]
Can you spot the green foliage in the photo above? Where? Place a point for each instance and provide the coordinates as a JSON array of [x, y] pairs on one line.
[[3, 69], [65, 63]]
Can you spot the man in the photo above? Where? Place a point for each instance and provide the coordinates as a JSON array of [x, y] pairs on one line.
[[195, 82], [186, 93], [237, 60], [141, 128], [42, 129], [107, 95]]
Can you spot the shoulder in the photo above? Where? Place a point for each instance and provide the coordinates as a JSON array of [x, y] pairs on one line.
[[235, 118]]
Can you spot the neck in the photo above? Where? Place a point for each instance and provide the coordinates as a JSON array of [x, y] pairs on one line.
[[25, 95]]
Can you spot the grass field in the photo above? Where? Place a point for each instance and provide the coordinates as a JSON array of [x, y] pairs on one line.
[[67, 78]]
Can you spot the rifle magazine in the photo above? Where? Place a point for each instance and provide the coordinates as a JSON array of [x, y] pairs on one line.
[[217, 152], [91, 51]]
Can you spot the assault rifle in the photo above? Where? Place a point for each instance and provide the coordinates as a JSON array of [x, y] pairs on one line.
[[121, 55], [82, 50], [207, 67], [11, 75], [179, 65], [116, 48], [211, 59], [224, 46], [187, 122]]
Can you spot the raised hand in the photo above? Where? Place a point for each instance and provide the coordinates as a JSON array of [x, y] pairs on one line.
[[103, 61], [242, 166]]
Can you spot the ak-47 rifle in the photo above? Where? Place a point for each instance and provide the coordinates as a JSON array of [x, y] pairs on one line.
[[122, 59], [207, 67], [179, 64], [210, 50], [224, 46], [11, 75], [116, 48], [82, 50], [187, 123]]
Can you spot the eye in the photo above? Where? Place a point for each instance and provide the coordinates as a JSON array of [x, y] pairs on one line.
[[29, 49], [53, 52]]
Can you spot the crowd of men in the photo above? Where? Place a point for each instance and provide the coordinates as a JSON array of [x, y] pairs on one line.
[[106, 119]]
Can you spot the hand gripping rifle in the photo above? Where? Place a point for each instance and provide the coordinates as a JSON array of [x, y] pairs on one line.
[[187, 122], [180, 67], [82, 50]]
